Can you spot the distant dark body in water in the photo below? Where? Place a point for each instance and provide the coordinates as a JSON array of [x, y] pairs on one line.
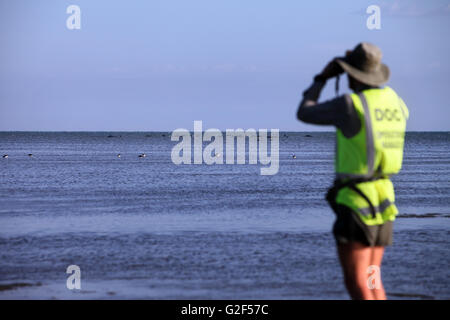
[[142, 227]]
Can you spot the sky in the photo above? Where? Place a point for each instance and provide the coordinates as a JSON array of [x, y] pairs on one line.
[[158, 65]]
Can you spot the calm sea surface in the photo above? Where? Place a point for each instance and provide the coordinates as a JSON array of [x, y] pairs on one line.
[[146, 228]]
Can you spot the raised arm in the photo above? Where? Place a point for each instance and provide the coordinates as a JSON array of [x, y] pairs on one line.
[[338, 112]]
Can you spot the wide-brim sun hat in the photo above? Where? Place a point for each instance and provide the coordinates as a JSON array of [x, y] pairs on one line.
[[364, 64]]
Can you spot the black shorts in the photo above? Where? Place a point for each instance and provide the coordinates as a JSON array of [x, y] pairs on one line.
[[348, 227]]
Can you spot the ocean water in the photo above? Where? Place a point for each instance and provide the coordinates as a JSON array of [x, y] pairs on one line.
[[144, 228]]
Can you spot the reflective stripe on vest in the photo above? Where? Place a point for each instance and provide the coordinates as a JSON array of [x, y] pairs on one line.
[[378, 209], [378, 148], [375, 151], [370, 149]]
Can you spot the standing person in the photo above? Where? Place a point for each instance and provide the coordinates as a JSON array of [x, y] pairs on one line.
[[370, 127]]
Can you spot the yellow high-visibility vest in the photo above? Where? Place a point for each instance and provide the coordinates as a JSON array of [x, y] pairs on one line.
[[376, 151]]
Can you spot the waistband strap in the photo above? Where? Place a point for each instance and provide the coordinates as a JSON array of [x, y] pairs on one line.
[[339, 184]]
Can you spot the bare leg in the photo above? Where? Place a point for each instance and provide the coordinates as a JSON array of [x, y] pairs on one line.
[[377, 257], [355, 258]]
